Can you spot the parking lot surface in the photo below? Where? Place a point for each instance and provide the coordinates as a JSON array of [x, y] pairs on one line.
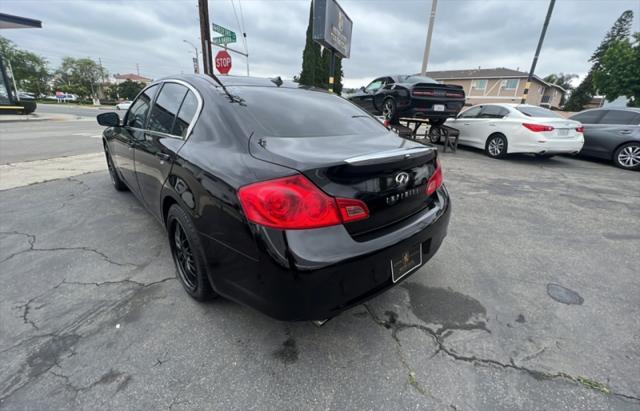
[[531, 303]]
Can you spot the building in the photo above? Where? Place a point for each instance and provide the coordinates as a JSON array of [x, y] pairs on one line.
[[501, 85], [121, 78]]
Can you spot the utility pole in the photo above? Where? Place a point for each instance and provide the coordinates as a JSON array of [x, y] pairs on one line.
[[535, 58], [138, 69], [205, 36], [427, 46]]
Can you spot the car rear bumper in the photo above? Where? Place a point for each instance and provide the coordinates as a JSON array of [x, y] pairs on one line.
[[549, 146], [301, 275]]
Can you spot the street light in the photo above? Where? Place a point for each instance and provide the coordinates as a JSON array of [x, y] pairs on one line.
[[196, 63]]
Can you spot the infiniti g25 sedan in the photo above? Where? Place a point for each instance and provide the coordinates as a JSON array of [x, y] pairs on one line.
[[501, 129], [289, 200]]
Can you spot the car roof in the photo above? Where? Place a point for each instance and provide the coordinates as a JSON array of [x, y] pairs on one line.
[[230, 81], [632, 109]]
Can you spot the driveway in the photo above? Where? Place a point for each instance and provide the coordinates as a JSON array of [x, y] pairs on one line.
[[531, 303]]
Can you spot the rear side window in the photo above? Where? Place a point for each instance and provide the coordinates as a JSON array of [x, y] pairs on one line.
[[621, 117], [473, 112], [531, 111], [289, 112], [493, 112], [137, 114], [588, 117], [166, 107], [185, 115]]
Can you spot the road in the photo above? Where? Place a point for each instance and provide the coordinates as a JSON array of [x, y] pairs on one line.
[[73, 109], [531, 303]]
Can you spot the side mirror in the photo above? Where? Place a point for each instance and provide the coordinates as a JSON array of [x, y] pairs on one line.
[[364, 90], [109, 119]]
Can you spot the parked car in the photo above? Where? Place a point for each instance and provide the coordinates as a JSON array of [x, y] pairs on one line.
[[123, 105], [612, 134], [289, 200], [410, 96], [501, 129]]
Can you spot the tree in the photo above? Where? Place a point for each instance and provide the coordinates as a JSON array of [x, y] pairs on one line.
[[129, 89], [619, 71], [30, 71], [586, 90], [80, 76], [562, 80], [310, 56]]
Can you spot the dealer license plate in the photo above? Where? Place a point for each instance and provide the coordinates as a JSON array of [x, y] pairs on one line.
[[438, 107], [406, 262]]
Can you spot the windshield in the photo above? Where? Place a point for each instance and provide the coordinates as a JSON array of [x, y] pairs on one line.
[[289, 112], [531, 111], [416, 79]]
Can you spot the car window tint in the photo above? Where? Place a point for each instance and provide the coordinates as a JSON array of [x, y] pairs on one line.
[[185, 115], [137, 114], [289, 112], [619, 117], [472, 112], [531, 111], [493, 112], [588, 117], [166, 106]]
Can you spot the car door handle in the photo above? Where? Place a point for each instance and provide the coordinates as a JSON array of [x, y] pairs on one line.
[[492, 124], [466, 124], [625, 131], [163, 156]]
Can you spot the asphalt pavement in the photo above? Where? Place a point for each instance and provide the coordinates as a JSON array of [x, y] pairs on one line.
[[531, 303], [76, 110]]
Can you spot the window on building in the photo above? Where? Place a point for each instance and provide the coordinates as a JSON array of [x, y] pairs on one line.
[[511, 84], [479, 84]]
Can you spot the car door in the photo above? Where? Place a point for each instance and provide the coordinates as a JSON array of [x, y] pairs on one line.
[[169, 123], [592, 132], [126, 137], [614, 128], [365, 98], [464, 124]]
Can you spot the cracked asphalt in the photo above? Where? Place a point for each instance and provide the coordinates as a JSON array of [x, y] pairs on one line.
[[92, 317]]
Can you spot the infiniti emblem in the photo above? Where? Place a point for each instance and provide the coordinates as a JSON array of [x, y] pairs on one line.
[[402, 178]]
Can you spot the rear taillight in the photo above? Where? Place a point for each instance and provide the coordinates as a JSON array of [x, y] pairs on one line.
[[436, 179], [537, 127], [423, 93], [449, 94], [296, 203], [580, 129]]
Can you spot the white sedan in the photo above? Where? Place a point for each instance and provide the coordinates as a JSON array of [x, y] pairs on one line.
[[123, 105], [501, 129]]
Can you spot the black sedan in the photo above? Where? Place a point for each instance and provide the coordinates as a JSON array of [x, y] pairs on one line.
[[410, 96], [289, 200], [612, 134]]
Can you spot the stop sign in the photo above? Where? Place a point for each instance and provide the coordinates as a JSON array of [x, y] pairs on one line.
[[223, 62]]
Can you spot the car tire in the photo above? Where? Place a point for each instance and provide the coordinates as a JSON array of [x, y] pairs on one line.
[[118, 184], [435, 135], [496, 146], [188, 255], [390, 110], [437, 122], [627, 156]]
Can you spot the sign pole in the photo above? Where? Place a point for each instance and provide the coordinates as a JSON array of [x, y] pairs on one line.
[[332, 70], [205, 36], [535, 58]]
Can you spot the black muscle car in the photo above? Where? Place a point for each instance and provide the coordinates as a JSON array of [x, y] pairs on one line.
[[410, 96], [289, 200]]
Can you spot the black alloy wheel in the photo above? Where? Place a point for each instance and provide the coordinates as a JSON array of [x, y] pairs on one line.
[[118, 184], [188, 254], [390, 110]]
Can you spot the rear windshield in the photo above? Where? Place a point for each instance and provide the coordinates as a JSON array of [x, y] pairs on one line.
[[292, 112], [531, 111], [417, 79]]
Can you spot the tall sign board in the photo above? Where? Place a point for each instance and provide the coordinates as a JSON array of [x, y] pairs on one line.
[[332, 27]]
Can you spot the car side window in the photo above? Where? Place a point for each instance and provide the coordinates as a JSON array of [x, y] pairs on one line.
[[137, 115], [619, 117], [588, 117], [493, 112], [165, 109], [185, 115], [375, 85], [473, 112]]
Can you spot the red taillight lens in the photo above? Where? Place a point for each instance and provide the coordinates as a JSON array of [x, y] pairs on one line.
[[296, 203], [580, 129], [537, 127], [423, 93], [436, 179]]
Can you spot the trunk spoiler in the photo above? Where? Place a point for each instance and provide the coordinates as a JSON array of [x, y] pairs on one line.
[[388, 156]]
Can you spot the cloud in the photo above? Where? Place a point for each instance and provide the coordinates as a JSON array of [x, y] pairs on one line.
[[388, 36]]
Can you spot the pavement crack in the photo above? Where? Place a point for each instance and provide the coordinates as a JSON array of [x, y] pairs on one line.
[[125, 281], [396, 326]]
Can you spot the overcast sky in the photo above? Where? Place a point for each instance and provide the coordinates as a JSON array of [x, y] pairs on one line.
[[388, 36]]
